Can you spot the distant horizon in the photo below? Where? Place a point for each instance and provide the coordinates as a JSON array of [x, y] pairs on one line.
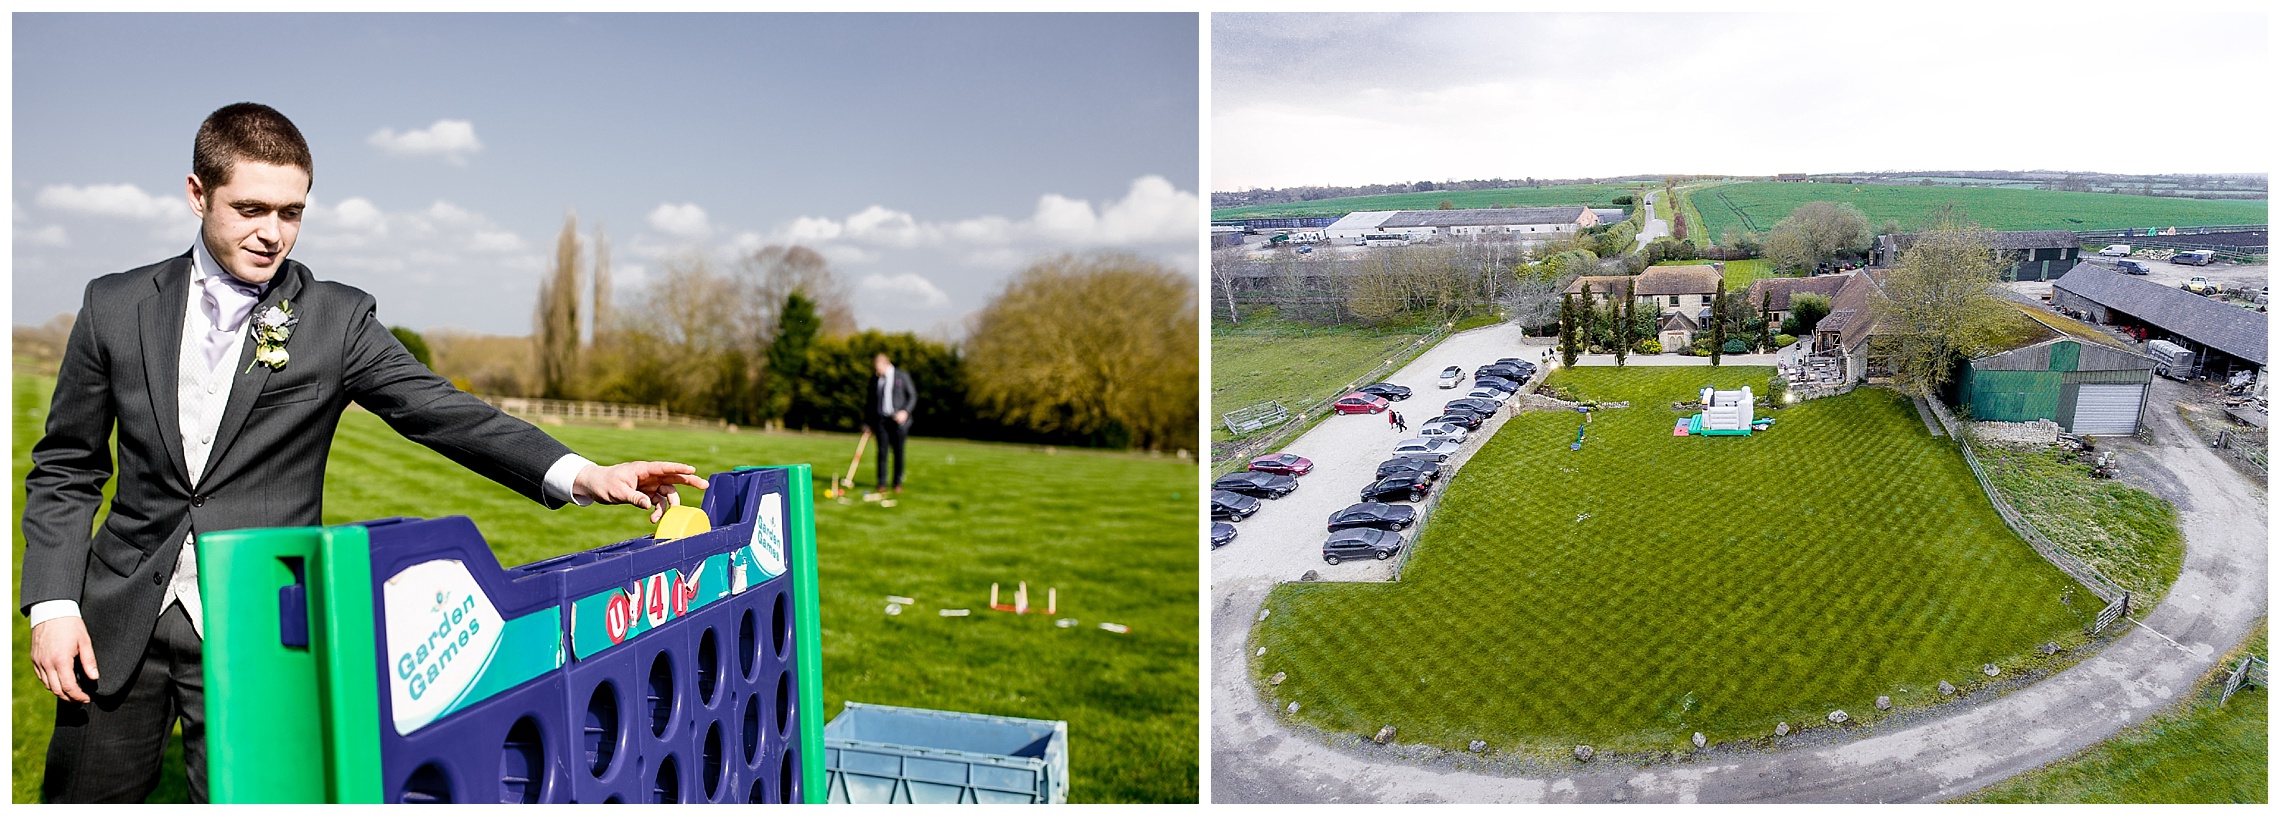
[[1657, 176]]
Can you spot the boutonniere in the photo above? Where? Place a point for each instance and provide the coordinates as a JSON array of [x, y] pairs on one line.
[[271, 329]]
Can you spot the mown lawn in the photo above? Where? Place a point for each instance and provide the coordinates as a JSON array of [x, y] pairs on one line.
[[1994, 208], [2128, 534], [975, 513], [2199, 752], [1739, 274], [1648, 587]]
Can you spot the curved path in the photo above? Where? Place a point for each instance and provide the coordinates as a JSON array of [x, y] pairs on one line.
[[2218, 596]]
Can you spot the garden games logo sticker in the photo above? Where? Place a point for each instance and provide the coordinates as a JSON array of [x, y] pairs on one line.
[[442, 632], [764, 557]]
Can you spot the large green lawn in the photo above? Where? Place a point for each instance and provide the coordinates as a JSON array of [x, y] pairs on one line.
[[1566, 195], [2199, 752], [1768, 202], [1648, 587], [975, 514]]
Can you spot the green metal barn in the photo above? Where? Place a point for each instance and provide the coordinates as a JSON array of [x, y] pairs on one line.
[[2086, 387]]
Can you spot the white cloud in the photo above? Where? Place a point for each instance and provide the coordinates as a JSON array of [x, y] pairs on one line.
[[907, 287], [451, 139], [495, 241], [685, 220], [51, 235], [361, 215], [112, 200], [1152, 212]]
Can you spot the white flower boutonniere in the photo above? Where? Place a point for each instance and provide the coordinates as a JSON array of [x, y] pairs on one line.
[[271, 329]]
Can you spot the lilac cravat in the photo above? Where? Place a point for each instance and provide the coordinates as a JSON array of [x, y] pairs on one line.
[[228, 302]]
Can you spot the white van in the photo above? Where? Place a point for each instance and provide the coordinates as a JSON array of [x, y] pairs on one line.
[[2115, 251]]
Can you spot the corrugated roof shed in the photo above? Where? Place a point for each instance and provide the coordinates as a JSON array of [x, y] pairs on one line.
[[1485, 217], [1607, 216], [1361, 220], [2221, 326], [2014, 239]]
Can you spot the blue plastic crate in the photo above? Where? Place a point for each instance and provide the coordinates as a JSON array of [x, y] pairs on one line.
[[875, 754]]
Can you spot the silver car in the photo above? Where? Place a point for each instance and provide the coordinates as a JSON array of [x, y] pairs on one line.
[[1435, 448], [1445, 430], [1496, 395]]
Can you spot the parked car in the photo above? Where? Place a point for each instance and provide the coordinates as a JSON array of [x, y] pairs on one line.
[[1360, 543], [1254, 483], [1401, 486], [1484, 407], [1496, 382], [1451, 376], [2115, 251], [1389, 391], [1418, 464], [1227, 506], [1221, 533], [1444, 430], [1373, 514], [2132, 268], [1288, 464], [1513, 373], [1470, 420], [2193, 257], [1436, 449], [1495, 395], [1360, 403], [1474, 410], [1305, 250], [2200, 285]]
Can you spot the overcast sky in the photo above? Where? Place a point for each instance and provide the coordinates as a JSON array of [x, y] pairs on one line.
[[1344, 99], [930, 157]]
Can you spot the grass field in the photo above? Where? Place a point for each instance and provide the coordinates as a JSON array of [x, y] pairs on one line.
[[975, 513], [1296, 363], [1998, 209], [2130, 535], [1739, 274], [1569, 195], [1648, 587], [2197, 753]]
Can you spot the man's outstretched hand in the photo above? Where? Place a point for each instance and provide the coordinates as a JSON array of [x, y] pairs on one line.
[[647, 485]]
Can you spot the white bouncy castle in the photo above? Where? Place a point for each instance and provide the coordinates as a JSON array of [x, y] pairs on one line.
[[1724, 413]]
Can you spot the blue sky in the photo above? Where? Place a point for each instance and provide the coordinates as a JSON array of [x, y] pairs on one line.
[[929, 156]]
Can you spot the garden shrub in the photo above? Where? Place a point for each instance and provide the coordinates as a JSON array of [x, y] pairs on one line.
[[1650, 346], [1784, 340]]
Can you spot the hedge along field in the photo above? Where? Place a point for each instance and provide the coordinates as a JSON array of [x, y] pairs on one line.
[[1768, 202], [1648, 587], [1566, 195], [973, 513]]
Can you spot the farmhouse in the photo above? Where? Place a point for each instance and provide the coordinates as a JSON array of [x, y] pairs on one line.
[[1672, 288], [2086, 382], [1782, 289], [1845, 336], [1523, 223], [2224, 338], [2036, 255]]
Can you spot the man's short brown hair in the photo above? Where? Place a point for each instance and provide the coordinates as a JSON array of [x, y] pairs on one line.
[[247, 131]]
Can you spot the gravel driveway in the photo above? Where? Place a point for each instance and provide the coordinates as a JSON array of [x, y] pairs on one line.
[[2219, 595]]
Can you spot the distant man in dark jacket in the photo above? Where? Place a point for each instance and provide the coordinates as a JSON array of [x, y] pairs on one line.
[[887, 412]]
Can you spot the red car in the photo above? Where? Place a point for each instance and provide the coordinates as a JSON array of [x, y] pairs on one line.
[[1288, 464], [1360, 403]]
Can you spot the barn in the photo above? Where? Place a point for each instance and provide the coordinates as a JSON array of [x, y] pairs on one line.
[[2086, 384]]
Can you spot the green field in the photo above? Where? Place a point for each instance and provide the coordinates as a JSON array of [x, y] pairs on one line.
[[2130, 535], [1739, 274], [1768, 202], [1569, 195], [975, 514], [2198, 752], [1296, 363], [1648, 587]]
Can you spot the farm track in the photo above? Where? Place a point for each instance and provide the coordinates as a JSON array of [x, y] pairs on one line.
[[2216, 600]]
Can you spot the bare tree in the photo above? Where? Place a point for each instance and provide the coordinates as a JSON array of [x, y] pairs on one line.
[[1088, 344], [557, 317], [772, 273], [1939, 302], [1223, 269], [1817, 232], [601, 284]]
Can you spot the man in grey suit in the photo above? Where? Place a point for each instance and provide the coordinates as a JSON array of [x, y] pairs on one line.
[[223, 373], [887, 412]]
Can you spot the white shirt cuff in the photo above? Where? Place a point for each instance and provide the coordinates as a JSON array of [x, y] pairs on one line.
[[562, 478], [45, 611]]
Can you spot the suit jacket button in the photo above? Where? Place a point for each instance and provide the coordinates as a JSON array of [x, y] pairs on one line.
[[197, 501]]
